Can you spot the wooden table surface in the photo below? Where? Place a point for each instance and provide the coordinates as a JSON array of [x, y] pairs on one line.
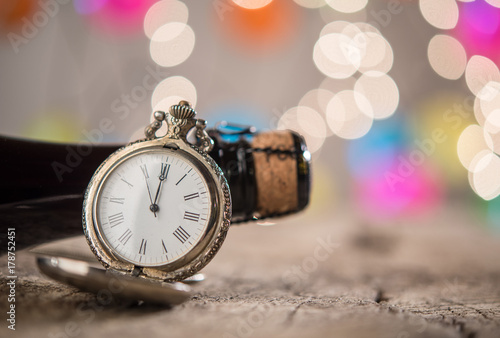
[[307, 276]]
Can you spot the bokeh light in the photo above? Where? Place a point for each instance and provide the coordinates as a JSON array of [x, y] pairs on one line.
[[88, 6], [344, 48], [471, 146], [172, 90], [442, 14], [387, 182], [489, 99], [492, 123], [12, 13], [381, 91], [292, 119], [378, 150], [478, 29], [317, 100], [437, 123], [479, 72], [163, 12], [115, 17], [485, 179], [478, 113], [54, 125], [447, 56], [336, 56], [172, 44], [324, 191], [258, 31], [347, 6], [378, 54], [344, 28], [494, 143], [336, 53], [493, 213], [311, 122], [416, 195], [311, 3], [240, 113], [495, 3], [349, 114], [252, 4]]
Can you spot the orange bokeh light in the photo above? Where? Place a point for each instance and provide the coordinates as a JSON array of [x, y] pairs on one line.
[[259, 30], [13, 12]]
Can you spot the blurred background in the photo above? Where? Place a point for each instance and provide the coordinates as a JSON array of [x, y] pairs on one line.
[[398, 99]]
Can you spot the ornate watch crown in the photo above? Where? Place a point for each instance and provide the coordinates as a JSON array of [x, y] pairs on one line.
[[182, 110], [180, 120]]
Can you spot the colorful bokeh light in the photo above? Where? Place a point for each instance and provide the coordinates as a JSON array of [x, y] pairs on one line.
[[89, 6], [13, 13], [115, 17], [391, 178], [414, 196], [252, 4], [493, 211], [478, 29], [378, 149], [240, 113], [54, 125], [258, 31]]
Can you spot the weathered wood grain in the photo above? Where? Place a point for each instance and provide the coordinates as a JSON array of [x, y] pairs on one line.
[[311, 276]]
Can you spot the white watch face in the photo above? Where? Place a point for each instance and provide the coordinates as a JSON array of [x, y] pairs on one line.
[[153, 208]]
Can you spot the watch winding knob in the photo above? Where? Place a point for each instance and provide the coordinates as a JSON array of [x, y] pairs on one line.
[[159, 115], [182, 110]]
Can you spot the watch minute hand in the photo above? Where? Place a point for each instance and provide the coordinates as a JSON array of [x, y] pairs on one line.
[[152, 207], [165, 168]]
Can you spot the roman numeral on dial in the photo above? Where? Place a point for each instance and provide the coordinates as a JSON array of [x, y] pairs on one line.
[[181, 234], [130, 185], [164, 247], [165, 168], [191, 216], [117, 200], [125, 236], [191, 196], [142, 249], [115, 219]]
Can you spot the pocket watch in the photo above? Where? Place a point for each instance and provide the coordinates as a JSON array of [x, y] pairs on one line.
[[159, 208]]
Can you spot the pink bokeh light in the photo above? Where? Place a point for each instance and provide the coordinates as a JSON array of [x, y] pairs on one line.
[[393, 193], [116, 17], [478, 29], [88, 6]]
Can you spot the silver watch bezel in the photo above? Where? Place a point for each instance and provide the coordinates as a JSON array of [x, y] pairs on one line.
[[206, 248]]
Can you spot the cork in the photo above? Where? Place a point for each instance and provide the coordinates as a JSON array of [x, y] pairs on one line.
[[275, 173]]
